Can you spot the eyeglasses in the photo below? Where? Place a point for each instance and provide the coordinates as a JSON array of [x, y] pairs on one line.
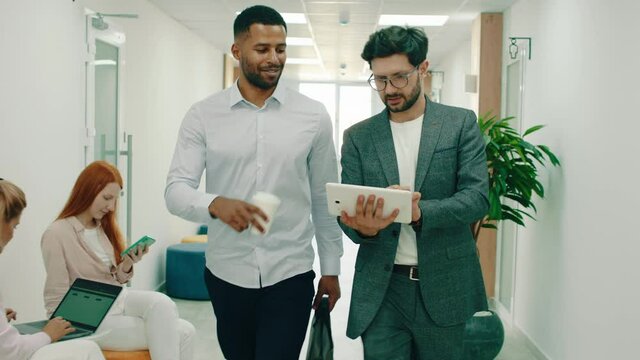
[[398, 81]]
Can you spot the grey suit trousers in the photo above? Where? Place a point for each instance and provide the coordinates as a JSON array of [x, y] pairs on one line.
[[403, 330]]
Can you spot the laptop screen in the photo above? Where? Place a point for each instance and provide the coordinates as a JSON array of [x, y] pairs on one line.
[[87, 302]]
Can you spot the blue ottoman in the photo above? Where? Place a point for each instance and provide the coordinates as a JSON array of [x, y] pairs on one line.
[[185, 271]]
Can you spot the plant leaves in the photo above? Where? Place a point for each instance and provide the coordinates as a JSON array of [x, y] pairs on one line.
[[513, 169]]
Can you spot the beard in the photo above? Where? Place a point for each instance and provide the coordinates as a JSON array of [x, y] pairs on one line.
[[255, 78], [408, 101]]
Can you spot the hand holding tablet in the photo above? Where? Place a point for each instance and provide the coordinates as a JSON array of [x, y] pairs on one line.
[[344, 197]]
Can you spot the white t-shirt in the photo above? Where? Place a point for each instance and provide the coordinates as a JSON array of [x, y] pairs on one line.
[[91, 237], [406, 141]]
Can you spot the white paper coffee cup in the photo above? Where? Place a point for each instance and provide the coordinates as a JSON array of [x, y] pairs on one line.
[[269, 204]]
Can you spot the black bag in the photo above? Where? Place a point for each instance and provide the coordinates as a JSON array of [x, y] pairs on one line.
[[320, 339]]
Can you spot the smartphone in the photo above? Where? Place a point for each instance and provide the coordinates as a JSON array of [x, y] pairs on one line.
[[145, 240]]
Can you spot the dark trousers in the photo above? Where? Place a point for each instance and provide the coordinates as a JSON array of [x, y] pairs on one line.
[[262, 324]]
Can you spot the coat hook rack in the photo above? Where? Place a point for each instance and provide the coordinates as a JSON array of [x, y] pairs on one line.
[[513, 47]]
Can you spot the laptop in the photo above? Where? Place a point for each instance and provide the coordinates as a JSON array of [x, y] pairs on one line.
[[85, 305]]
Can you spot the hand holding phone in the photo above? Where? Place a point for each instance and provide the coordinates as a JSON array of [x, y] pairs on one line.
[[142, 244]]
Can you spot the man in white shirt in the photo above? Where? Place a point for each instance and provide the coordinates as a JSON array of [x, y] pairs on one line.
[[260, 136], [415, 284]]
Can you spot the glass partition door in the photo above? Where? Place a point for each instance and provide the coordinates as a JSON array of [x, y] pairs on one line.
[[105, 138]]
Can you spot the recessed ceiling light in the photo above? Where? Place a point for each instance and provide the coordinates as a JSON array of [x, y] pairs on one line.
[[303, 61], [294, 18], [299, 41], [413, 20]]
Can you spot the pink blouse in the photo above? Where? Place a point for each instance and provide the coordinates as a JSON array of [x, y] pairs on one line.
[[67, 256]]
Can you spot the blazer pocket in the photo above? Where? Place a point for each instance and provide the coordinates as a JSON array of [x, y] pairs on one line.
[[438, 151], [459, 251]]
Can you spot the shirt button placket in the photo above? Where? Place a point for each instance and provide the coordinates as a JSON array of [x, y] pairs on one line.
[[259, 149]]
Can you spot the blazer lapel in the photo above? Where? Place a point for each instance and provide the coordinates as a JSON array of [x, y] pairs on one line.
[[383, 142], [431, 127]]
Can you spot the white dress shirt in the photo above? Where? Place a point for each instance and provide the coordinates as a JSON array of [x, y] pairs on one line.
[[284, 148]]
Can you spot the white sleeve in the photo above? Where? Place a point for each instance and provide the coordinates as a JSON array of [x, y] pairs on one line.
[[323, 168], [181, 193], [16, 346]]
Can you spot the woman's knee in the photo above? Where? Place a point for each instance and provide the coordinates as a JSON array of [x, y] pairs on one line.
[[74, 349], [161, 302], [186, 329]]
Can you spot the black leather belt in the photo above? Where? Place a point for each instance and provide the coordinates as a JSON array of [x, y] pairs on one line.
[[409, 271]]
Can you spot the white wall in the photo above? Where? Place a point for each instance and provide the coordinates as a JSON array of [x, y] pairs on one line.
[[577, 290], [42, 119], [455, 66]]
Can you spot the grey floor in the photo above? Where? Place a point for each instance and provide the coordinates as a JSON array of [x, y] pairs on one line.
[[200, 314]]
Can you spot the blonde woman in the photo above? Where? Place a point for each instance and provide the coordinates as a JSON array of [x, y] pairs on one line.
[[14, 346]]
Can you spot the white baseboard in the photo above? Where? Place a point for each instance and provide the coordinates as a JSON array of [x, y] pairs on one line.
[[531, 346], [508, 322]]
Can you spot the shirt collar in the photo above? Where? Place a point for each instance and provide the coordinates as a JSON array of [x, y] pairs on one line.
[[235, 96], [77, 225]]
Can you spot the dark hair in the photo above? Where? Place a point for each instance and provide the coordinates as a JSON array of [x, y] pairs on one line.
[[258, 14], [411, 41]]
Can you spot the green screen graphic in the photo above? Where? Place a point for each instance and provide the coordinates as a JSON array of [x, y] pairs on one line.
[[84, 306]]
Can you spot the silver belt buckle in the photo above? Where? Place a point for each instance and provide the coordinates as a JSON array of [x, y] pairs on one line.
[[413, 273]]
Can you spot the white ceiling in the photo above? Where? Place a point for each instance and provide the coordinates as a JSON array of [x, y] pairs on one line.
[[335, 45]]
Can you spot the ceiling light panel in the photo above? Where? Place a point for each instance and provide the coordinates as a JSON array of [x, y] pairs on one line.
[[413, 20], [299, 41], [303, 61], [294, 18]]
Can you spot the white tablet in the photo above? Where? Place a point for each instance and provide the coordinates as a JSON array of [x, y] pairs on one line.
[[343, 197]]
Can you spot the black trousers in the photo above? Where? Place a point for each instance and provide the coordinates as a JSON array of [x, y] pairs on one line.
[[262, 324]]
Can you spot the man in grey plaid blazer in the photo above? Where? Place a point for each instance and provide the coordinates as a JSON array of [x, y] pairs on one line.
[[415, 284]]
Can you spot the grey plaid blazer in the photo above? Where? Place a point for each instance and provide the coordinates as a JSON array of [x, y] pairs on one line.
[[452, 177]]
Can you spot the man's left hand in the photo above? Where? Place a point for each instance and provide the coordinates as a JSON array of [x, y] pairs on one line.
[[416, 213], [328, 285]]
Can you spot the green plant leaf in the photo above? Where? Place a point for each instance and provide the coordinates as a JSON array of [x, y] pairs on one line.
[[532, 129], [515, 219], [554, 160]]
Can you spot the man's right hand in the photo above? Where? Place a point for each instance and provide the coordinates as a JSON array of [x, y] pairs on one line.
[[57, 328], [236, 213], [368, 220]]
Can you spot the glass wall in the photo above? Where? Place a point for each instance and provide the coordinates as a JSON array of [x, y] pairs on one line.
[[346, 104]]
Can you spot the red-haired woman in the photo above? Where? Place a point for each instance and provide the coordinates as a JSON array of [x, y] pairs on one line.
[[38, 346], [85, 241]]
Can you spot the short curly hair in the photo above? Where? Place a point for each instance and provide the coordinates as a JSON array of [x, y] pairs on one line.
[[411, 41]]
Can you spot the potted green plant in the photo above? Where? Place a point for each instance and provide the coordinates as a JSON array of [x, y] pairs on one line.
[[513, 171], [513, 174]]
